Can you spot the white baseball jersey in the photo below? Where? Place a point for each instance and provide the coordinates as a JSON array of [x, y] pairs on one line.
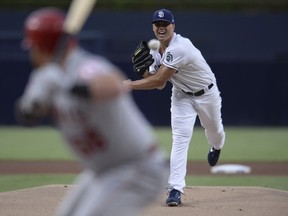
[[193, 75], [95, 131], [193, 72]]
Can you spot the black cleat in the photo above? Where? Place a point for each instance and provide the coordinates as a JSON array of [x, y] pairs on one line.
[[213, 156], [174, 198]]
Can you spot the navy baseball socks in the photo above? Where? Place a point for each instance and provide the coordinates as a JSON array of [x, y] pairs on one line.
[[174, 198], [213, 156]]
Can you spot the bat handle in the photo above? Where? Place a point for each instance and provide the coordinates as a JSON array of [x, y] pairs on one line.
[[61, 46]]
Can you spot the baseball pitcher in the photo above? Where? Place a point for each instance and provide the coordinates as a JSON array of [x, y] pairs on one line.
[[194, 93]]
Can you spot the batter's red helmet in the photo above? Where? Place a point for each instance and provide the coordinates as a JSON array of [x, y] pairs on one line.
[[43, 28]]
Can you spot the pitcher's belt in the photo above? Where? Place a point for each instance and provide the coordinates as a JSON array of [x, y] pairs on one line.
[[199, 93]]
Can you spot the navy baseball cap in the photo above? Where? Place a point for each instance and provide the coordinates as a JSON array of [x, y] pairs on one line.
[[163, 15]]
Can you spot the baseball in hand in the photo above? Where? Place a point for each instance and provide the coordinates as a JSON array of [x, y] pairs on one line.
[[154, 44]]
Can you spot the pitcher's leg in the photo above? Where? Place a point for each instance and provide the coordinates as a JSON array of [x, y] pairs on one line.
[[182, 121], [214, 129], [210, 117]]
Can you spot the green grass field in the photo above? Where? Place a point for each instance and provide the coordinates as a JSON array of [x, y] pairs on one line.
[[242, 144], [247, 144]]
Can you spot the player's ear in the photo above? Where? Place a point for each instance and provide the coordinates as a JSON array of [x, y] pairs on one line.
[[173, 26]]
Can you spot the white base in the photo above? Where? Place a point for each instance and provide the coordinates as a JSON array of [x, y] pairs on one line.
[[231, 169]]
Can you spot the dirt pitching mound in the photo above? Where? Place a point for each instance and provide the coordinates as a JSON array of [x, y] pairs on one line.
[[200, 201]]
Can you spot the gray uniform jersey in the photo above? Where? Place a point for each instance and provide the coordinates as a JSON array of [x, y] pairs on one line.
[[101, 134], [193, 72]]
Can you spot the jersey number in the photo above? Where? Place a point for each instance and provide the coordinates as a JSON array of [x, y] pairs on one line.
[[88, 144]]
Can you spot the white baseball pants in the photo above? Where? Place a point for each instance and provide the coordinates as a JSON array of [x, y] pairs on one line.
[[184, 110]]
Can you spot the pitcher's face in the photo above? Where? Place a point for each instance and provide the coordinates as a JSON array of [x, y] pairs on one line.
[[163, 30]]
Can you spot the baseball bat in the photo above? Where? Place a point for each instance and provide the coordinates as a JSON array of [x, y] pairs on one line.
[[78, 12]]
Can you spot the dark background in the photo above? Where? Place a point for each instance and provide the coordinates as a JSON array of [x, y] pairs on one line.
[[246, 47]]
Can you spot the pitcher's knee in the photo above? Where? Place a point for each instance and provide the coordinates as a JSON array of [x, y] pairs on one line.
[[216, 139]]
